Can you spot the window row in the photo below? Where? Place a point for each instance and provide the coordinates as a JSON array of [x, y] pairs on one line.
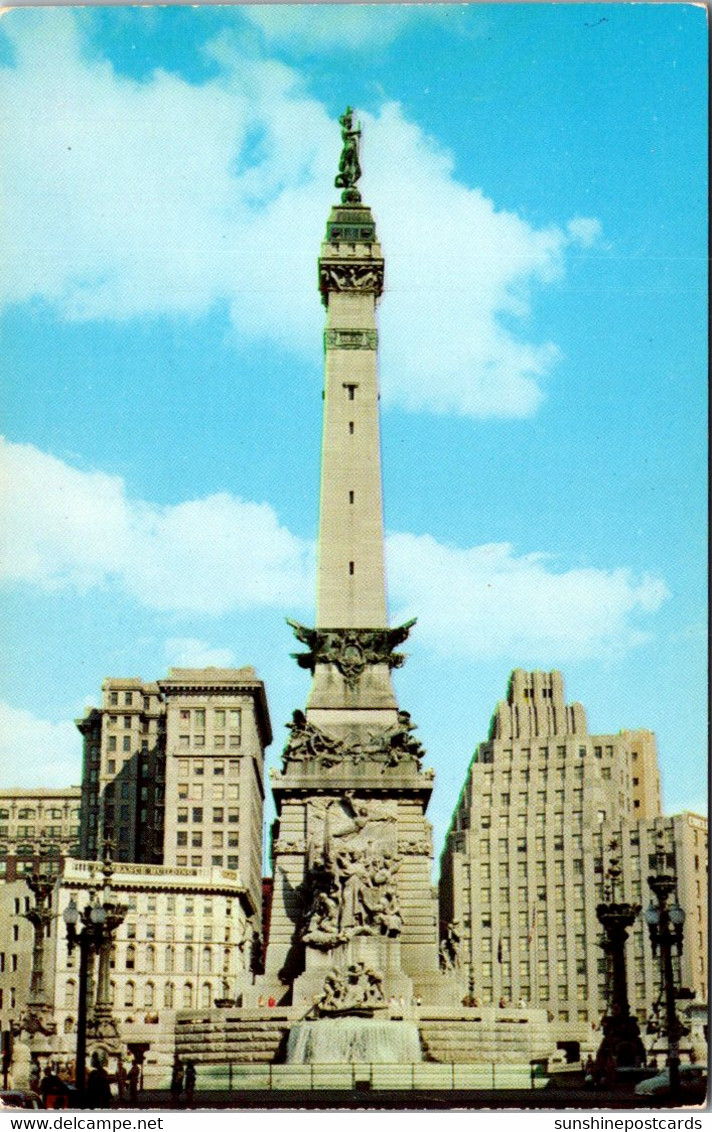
[[216, 861], [220, 718], [148, 996], [231, 814], [208, 960]]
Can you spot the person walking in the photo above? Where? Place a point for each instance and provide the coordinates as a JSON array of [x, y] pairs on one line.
[[120, 1078], [134, 1076], [190, 1076], [176, 1081], [98, 1092]]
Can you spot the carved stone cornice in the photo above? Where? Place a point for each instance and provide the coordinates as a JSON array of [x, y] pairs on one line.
[[361, 278], [351, 339], [350, 650]]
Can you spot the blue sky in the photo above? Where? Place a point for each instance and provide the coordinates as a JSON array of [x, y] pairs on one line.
[[538, 177]]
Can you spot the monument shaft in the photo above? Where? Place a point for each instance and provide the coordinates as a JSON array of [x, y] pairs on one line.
[[354, 920]]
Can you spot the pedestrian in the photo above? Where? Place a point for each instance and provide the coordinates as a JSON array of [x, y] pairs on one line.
[[98, 1092], [120, 1080], [189, 1083], [176, 1081], [134, 1077]]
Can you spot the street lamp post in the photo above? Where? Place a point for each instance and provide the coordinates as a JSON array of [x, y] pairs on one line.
[[665, 922], [37, 1017], [102, 1025], [89, 940], [621, 1044]]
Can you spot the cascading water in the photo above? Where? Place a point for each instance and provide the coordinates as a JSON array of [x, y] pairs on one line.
[[353, 1039]]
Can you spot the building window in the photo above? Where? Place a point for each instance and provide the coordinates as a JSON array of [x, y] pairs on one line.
[[197, 839], [148, 995], [188, 996], [127, 742], [199, 718], [129, 990], [168, 996], [197, 813], [188, 960], [130, 957], [351, 568]]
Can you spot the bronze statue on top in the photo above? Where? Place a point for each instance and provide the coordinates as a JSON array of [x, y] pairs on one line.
[[349, 165]]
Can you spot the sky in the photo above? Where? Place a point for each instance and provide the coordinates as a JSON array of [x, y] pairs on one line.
[[538, 178]]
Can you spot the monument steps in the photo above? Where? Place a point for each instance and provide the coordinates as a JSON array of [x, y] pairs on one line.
[[219, 1040]]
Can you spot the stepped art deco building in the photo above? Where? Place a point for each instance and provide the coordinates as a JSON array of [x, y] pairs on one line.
[[524, 862]]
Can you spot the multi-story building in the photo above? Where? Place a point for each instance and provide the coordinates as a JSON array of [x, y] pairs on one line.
[[644, 771], [187, 940], [15, 951], [37, 821], [530, 840], [173, 772]]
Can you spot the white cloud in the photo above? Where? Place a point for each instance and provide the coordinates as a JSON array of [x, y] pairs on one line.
[[349, 27], [163, 197], [70, 528], [35, 752], [486, 601], [64, 527], [189, 652]]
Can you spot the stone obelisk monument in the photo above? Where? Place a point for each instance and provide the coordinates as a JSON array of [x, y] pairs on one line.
[[354, 918]]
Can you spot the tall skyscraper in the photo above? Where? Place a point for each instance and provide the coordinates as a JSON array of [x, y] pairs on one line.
[[174, 770], [525, 856]]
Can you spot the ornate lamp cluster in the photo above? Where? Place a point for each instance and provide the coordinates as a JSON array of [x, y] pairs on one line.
[[37, 1017], [622, 1044], [665, 919], [92, 930]]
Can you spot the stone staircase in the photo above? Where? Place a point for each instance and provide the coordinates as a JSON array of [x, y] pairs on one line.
[[485, 1036], [240, 1036]]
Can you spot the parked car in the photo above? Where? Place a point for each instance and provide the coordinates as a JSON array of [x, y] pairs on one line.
[[18, 1098], [693, 1084]]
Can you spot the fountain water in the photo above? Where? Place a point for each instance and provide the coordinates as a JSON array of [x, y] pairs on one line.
[[353, 1039]]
